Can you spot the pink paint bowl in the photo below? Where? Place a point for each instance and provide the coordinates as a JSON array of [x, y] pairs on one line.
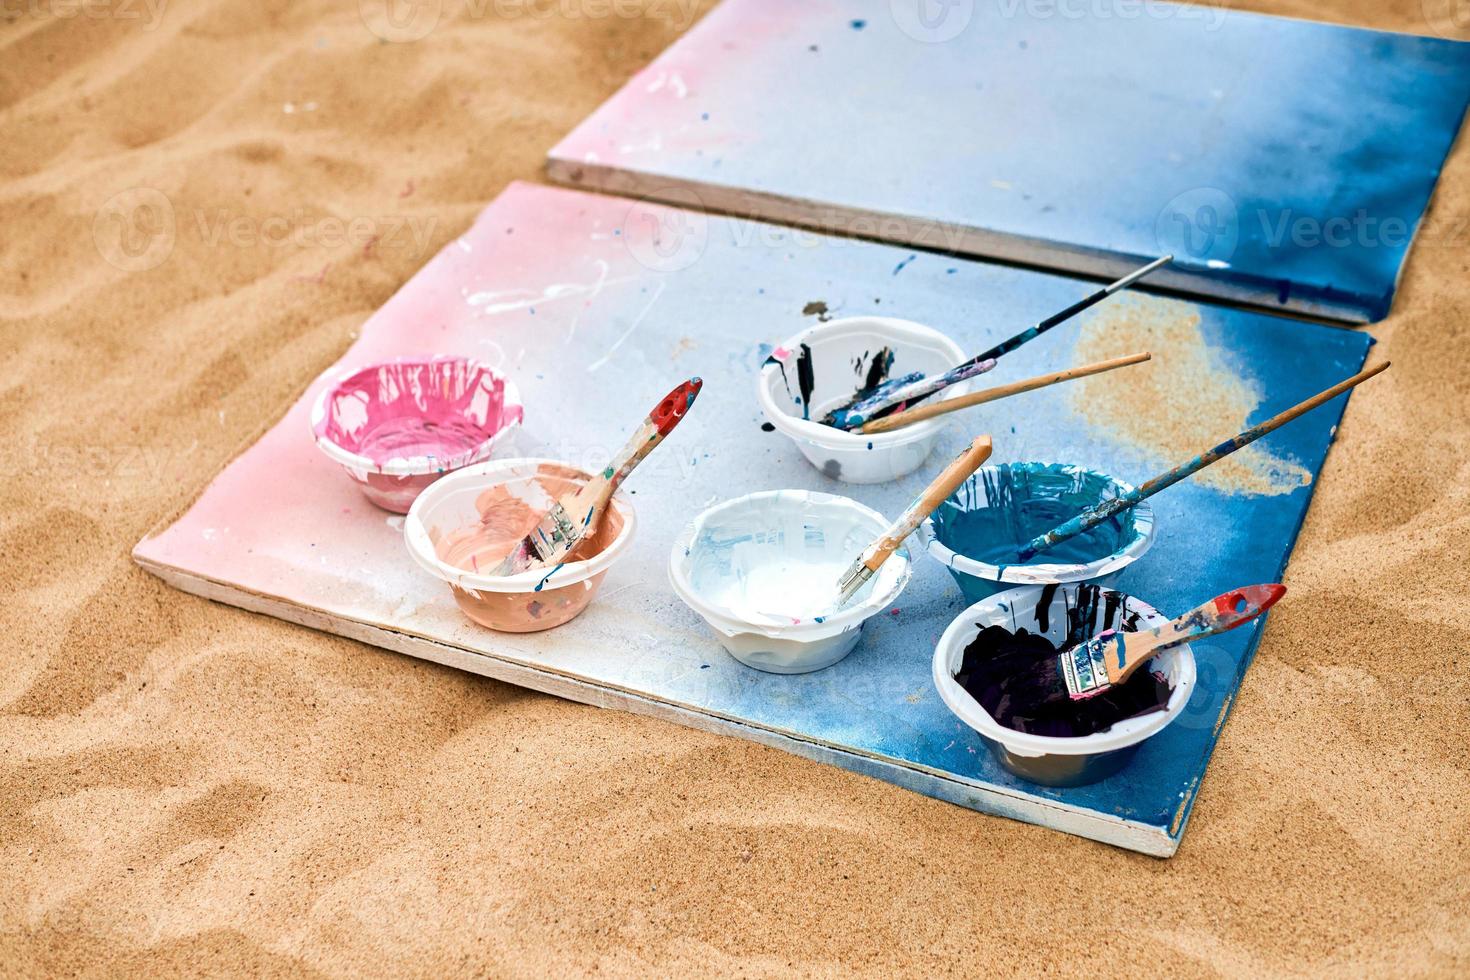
[[471, 519], [397, 427]]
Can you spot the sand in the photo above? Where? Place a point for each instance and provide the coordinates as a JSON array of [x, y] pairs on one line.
[[187, 787]]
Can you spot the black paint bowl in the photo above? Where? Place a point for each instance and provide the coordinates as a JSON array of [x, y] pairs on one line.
[[1070, 609]]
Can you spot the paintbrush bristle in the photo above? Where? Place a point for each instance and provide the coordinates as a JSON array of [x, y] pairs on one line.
[[553, 537], [852, 580]]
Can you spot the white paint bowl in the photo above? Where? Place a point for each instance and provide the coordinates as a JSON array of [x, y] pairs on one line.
[[759, 568], [1051, 760], [841, 352]]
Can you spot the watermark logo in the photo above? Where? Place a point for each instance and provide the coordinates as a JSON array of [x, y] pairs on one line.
[[1211, 12], [932, 21], [1205, 226], [301, 229], [400, 21], [405, 21], [148, 12], [678, 14], [667, 235], [1447, 18], [136, 229], [1202, 225]]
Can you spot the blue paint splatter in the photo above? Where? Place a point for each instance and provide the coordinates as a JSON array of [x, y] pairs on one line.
[[904, 264], [542, 584], [858, 25]]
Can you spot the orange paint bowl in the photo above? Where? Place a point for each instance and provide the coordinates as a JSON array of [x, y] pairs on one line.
[[398, 426], [471, 519]]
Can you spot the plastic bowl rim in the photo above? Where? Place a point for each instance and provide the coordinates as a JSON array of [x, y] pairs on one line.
[[414, 465], [838, 439], [1129, 731], [850, 617], [1141, 514], [421, 547]]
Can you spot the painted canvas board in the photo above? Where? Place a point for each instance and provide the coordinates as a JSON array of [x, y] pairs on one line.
[[596, 306], [1286, 164]]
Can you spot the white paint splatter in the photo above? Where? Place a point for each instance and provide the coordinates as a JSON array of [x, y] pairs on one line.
[[602, 270], [601, 361], [673, 80], [653, 144], [504, 301]]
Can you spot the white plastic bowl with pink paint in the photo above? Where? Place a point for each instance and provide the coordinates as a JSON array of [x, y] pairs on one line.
[[462, 526], [398, 426], [837, 359]]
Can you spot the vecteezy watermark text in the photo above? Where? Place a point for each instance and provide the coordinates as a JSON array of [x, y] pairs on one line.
[[301, 230], [148, 12], [1205, 224], [937, 21], [137, 229], [402, 21]]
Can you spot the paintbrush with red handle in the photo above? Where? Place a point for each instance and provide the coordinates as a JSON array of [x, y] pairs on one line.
[[576, 515], [1088, 669], [934, 494]]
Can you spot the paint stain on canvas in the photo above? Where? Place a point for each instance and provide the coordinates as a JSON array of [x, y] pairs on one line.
[[1184, 401]]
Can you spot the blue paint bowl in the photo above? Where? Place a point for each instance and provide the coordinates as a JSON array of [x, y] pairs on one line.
[[977, 533]]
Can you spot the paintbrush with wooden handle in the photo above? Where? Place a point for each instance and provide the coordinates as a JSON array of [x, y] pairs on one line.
[[576, 515], [921, 412], [1094, 516], [898, 393], [934, 494], [1108, 659]]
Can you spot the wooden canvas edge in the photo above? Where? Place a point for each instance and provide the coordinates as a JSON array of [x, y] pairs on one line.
[[1126, 834], [964, 241]]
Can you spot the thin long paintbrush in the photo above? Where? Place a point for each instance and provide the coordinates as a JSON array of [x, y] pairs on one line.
[[910, 388], [875, 554], [1094, 516], [1108, 659], [576, 515], [908, 417]]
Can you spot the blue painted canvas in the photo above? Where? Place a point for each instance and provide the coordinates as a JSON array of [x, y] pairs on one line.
[[596, 307], [1286, 164]]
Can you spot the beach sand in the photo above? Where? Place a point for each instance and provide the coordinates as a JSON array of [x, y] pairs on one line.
[[186, 787]]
